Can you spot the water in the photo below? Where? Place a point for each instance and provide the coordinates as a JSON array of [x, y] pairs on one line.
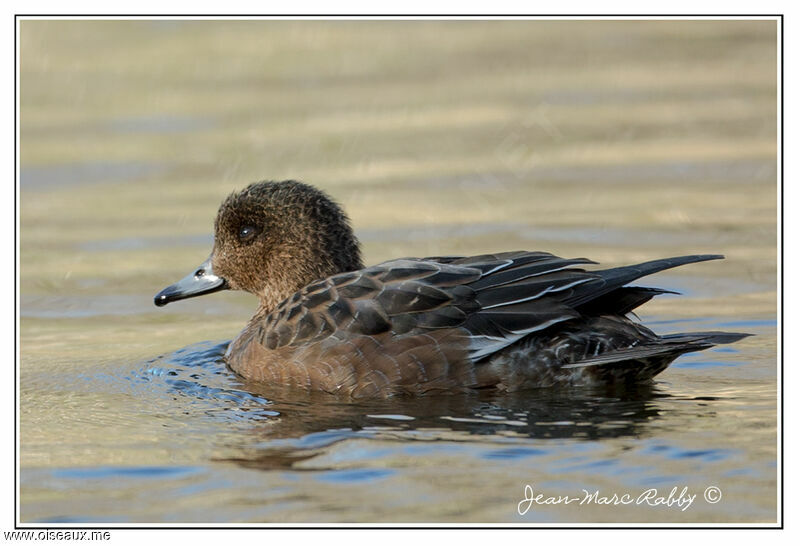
[[47, 177], [281, 456], [551, 136]]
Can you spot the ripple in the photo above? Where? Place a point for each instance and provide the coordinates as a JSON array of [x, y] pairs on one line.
[[512, 453], [355, 475], [704, 364], [198, 374], [47, 177], [132, 472], [392, 417], [160, 124], [677, 453]]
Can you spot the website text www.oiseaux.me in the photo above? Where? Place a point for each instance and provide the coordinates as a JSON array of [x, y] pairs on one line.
[[56, 535]]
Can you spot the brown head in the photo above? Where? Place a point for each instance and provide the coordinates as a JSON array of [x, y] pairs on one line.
[[272, 239]]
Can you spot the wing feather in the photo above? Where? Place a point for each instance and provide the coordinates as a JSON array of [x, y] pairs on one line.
[[488, 301]]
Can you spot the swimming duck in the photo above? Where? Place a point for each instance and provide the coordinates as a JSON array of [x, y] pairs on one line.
[[508, 321]]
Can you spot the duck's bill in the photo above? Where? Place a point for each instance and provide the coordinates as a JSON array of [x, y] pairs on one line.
[[201, 281]]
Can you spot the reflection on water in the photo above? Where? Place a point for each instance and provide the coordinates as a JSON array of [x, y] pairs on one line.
[[290, 425], [298, 442], [197, 372]]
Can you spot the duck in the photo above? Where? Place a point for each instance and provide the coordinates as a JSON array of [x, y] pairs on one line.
[[507, 321]]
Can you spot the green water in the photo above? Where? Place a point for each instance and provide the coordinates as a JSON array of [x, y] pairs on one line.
[[618, 141]]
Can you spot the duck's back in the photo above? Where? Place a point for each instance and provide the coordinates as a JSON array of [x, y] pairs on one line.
[[511, 320]]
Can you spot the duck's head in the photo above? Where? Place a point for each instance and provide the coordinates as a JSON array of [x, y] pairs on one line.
[[272, 239]]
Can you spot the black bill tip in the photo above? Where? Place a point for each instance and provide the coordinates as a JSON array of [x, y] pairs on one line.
[[202, 281]]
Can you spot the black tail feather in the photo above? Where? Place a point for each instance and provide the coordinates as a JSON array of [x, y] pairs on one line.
[[612, 279], [714, 338], [670, 345], [622, 300]]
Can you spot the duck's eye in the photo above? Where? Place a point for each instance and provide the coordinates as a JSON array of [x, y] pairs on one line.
[[246, 233]]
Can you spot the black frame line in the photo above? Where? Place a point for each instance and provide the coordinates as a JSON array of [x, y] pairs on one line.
[[234, 527]]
